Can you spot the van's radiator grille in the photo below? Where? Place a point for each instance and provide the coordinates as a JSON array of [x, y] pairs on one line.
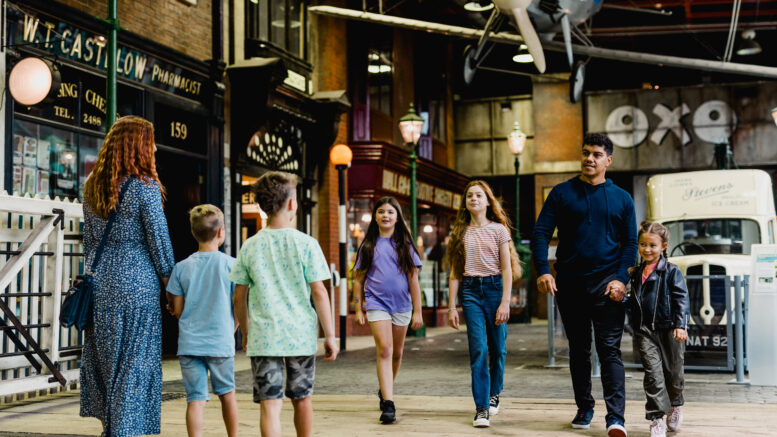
[[696, 292]]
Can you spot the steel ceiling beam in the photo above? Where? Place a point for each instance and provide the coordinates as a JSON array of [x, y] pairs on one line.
[[604, 32], [515, 39]]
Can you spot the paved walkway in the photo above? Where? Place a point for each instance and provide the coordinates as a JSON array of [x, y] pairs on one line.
[[356, 415], [433, 398]]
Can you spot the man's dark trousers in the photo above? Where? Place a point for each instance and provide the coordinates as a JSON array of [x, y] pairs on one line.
[[581, 301]]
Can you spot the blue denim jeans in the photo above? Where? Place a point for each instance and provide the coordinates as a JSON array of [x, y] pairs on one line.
[[480, 298]]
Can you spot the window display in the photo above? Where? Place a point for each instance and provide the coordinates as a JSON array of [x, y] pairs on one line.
[[45, 160]]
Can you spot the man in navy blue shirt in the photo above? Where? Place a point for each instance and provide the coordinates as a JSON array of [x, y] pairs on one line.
[[597, 233]]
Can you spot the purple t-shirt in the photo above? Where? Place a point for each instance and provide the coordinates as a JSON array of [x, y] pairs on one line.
[[385, 287]]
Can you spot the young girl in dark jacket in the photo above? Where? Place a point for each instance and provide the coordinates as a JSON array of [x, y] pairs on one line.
[[659, 315]]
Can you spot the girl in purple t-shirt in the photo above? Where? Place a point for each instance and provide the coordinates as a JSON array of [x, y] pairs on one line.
[[385, 279]]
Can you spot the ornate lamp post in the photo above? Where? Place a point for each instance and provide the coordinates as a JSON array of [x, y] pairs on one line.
[[410, 127], [341, 157], [517, 140]]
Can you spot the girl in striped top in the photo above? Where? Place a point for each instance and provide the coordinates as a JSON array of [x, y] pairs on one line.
[[484, 265]]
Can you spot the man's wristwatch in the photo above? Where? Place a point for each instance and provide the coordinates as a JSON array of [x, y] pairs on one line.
[[452, 309]]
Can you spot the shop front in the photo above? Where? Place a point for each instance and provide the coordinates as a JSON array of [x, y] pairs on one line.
[[277, 125], [381, 169], [52, 147]]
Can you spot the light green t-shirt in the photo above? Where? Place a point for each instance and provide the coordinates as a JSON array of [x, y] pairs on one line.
[[278, 265]]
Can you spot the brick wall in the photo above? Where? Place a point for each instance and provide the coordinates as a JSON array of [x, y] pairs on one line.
[[171, 23], [331, 73]]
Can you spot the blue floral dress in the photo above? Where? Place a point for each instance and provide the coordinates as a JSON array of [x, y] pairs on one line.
[[121, 367]]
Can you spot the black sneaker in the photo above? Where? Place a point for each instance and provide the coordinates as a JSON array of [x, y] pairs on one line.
[[493, 405], [380, 396], [389, 414], [481, 419], [583, 419]]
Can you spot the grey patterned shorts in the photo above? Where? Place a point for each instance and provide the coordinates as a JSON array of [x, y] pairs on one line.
[[268, 377]]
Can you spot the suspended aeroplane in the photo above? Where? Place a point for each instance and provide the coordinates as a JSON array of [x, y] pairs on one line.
[[550, 17], [538, 21]]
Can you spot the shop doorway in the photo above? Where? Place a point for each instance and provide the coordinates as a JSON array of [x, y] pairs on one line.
[[184, 179]]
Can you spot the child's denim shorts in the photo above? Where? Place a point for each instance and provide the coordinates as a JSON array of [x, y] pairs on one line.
[[194, 371]]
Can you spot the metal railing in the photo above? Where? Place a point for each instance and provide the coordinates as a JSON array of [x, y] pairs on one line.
[[40, 253], [733, 320]]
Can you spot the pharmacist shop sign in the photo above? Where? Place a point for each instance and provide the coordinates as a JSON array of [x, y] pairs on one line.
[[90, 49]]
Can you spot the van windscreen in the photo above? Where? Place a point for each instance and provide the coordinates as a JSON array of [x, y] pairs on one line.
[[712, 236]]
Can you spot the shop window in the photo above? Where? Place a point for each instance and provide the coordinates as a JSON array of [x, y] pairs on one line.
[[281, 23], [45, 160]]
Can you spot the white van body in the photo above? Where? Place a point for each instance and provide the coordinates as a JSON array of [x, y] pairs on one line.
[[713, 217]]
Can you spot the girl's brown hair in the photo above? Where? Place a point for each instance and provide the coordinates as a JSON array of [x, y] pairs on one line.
[[654, 228], [128, 150], [455, 254]]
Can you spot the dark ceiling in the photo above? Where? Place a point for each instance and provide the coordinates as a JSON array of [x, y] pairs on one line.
[[691, 29]]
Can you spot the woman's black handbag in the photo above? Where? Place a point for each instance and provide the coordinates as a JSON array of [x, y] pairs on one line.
[[77, 306]]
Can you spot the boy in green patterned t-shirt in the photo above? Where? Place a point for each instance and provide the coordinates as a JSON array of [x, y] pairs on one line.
[[272, 273]]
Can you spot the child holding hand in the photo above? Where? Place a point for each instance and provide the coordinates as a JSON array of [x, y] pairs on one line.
[[659, 315]]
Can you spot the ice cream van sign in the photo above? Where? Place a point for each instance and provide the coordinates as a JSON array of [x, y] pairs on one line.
[[699, 193], [713, 121]]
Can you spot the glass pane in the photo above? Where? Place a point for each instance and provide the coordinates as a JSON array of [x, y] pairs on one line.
[[43, 160], [712, 236], [380, 77], [262, 17], [296, 19], [63, 179], [87, 157], [278, 23]]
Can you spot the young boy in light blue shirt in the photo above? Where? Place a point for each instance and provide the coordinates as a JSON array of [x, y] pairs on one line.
[[202, 301]]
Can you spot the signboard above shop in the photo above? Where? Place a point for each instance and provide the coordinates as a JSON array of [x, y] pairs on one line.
[[81, 102], [89, 49]]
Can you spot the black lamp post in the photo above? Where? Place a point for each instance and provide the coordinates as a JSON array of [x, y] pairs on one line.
[[410, 127], [341, 156]]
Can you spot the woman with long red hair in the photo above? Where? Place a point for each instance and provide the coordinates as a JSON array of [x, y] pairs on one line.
[[484, 265], [121, 368]]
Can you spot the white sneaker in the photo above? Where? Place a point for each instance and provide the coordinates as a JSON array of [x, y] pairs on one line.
[[675, 418], [493, 405], [657, 428], [616, 429], [481, 419]]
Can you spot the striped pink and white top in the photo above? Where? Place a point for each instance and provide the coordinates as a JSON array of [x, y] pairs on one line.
[[481, 248]]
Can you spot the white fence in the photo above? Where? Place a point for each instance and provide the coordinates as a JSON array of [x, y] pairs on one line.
[[41, 252]]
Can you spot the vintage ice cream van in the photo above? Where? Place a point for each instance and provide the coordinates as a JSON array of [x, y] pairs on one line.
[[713, 218]]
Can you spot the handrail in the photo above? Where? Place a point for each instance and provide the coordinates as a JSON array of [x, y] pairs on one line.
[[35, 263]]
